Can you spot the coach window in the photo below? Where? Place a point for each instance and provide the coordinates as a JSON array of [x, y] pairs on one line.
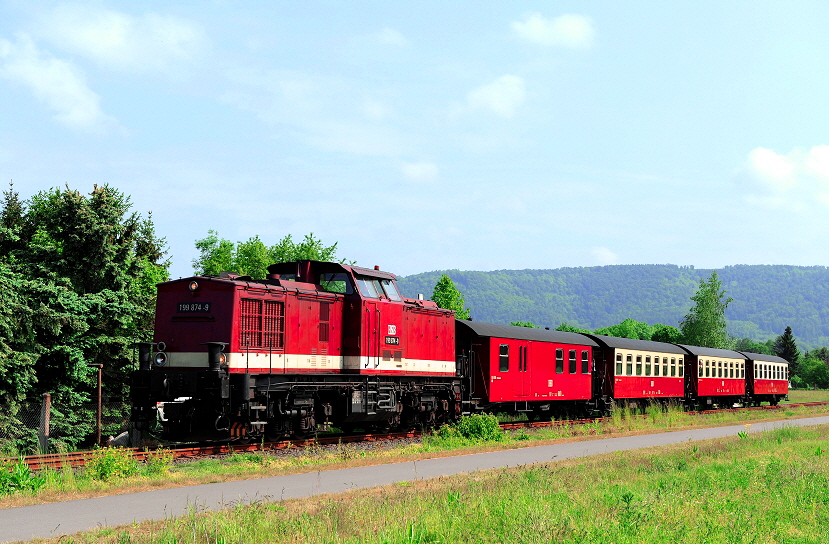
[[656, 366], [700, 369], [647, 365], [629, 365], [638, 365], [572, 357], [618, 364], [731, 370], [503, 359], [559, 361], [681, 369], [673, 366], [707, 369], [585, 362]]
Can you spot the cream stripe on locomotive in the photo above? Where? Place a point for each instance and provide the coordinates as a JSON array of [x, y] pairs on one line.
[[279, 362]]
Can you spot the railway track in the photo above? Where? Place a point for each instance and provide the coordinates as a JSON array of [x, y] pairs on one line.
[[79, 458]]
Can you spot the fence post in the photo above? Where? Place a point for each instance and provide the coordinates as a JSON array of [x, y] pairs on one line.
[[98, 419], [43, 432]]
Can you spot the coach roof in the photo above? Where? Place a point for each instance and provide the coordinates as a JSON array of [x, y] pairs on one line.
[[640, 345], [764, 358], [713, 352], [527, 333]]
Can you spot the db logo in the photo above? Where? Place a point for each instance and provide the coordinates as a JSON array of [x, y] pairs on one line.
[[392, 329]]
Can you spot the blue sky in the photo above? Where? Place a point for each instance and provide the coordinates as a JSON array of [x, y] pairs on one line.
[[434, 135]]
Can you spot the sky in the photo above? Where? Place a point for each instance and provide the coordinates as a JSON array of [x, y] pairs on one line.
[[436, 135]]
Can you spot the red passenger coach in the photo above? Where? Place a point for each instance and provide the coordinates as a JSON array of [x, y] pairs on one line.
[[767, 378], [638, 370], [715, 376], [527, 370]]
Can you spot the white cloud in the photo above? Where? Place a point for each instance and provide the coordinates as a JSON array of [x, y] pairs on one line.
[[604, 256], [420, 171], [776, 171], [793, 179], [121, 41], [55, 82], [503, 96], [573, 31], [389, 36]]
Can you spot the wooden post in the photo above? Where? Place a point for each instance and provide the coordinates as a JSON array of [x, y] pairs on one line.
[[43, 432], [98, 419]]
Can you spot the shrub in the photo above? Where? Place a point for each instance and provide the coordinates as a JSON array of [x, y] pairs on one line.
[[478, 427], [108, 463]]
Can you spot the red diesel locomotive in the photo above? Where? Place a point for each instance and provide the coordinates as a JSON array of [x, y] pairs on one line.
[[320, 344]]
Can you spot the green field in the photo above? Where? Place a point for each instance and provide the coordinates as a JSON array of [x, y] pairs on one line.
[[764, 487], [806, 395]]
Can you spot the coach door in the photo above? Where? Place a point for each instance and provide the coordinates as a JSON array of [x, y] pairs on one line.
[[522, 377]]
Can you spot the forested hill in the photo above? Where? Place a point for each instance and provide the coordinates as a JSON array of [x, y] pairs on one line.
[[767, 298]]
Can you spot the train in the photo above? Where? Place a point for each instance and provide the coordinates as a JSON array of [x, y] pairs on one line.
[[320, 345]]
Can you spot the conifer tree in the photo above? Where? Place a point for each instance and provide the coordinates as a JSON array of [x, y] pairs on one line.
[[446, 295], [785, 346]]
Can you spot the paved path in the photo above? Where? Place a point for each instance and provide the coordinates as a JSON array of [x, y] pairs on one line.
[[49, 520]]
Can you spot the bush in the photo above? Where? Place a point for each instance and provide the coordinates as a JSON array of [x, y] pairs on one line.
[[108, 463], [477, 427]]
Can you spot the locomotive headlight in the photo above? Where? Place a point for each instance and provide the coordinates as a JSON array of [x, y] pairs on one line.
[[160, 358], [193, 285], [222, 358]]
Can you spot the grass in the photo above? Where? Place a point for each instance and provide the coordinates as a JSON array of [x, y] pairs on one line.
[[761, 487], [806, 395], [119, 476]]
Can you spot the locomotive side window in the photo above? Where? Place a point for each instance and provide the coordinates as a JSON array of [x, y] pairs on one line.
[[629, 365], [391, 290], [585, 362], [559, 361], [503, 358], [336, 282], [572, 357], [638, 365], [618, 364]]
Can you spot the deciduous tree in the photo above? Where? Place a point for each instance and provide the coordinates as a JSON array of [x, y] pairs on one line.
[[252, 258], [705, 325], [446, 295]]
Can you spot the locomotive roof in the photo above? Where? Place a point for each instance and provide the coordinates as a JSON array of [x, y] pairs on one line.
[[641, 345], [527, 333], [764, 358], [712, 352]]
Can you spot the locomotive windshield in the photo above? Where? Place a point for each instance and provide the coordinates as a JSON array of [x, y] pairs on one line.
[[377, 288]]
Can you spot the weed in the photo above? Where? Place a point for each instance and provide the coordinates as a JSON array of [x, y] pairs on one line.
[[159, 462], [109, 463], [16, 477]]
